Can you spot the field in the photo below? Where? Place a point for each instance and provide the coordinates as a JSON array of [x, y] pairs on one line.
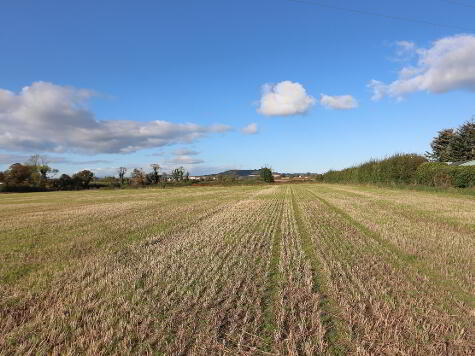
[[298, 269]]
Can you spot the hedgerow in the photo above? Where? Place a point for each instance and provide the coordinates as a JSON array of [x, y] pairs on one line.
[[442, 175], [400, 168]]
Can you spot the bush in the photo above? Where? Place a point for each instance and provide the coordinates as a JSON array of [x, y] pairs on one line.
[[400, 168], [443, 175]]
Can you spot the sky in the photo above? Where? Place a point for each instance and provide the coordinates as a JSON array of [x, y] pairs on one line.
[[213, 85]]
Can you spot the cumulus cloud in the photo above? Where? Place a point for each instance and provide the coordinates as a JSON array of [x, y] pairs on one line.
[[284, 99], [45, 117], [449, 64], [250, 129], [343, 102]]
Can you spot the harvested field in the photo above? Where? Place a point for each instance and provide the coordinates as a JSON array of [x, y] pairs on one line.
[[301, 269]]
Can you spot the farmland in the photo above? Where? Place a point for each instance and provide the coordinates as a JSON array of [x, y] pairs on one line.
[[261, 270]]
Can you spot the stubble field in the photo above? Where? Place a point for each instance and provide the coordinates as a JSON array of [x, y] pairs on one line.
[[302, 269]]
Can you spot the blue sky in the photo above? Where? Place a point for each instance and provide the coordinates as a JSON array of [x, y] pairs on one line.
[[207, 69]]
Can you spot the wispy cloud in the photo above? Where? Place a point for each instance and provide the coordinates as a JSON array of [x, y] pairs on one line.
[[10, 158], [185, 160], [449, 64], [342, 102], [185, 152], [250, 129]]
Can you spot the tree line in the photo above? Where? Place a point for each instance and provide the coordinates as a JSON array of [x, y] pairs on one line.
[[454, 145], [36, 174]]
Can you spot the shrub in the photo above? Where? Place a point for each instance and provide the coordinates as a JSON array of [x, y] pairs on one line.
[[443, 175]]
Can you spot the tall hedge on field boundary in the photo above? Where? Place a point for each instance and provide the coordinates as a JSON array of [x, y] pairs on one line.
[[399, 169], [405, 169], [442, 175]]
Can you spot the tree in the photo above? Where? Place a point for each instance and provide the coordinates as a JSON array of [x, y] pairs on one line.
[[138, 176], [155, 173], [441, 146], [2, 177], [18, 174], [464, 143], [177, 174], [454, 145], [83, 178], [121, 171], [41, 170], [266, 174], [65, 182]]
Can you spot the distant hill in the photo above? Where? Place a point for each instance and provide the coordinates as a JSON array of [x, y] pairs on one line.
[[239, 172], [248, 172]]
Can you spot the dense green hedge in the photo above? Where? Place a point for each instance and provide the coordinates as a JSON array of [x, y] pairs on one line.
[[400, 168], [443, 175], [405, 169]]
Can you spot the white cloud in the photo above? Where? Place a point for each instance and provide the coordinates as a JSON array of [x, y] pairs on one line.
[[405, 48], [45, 117], [10, 158], [449, 64], [343, 102], [284, 99], [250, 129], [185, 152], [184, 159]]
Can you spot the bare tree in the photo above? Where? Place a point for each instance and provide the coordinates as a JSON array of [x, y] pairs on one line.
[[138, 176], [121, 171]]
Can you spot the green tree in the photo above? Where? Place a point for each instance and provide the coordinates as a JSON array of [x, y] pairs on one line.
[[266, 174], [41, 171], [65, 182], [178, 173], [454, 145], [464, 141], [441, 148], [83, 178]]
